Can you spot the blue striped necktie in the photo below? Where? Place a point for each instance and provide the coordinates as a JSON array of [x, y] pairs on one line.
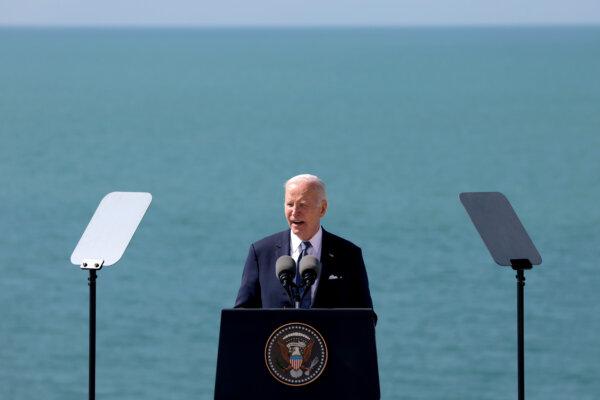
[[304, 246]]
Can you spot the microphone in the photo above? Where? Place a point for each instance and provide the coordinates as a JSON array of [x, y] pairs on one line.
[[309, 270], [285, 270]]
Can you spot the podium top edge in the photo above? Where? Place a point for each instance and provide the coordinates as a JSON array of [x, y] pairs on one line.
[[296, 309]]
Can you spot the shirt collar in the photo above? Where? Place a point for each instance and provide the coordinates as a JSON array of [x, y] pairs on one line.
[[315, 241]]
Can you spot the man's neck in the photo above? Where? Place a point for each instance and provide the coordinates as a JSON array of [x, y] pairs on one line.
[[295, 240]]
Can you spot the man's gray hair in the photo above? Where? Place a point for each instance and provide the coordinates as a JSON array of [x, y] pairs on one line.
[[314, 180]]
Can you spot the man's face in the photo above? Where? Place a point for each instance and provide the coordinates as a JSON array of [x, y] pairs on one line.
[[304, 209]]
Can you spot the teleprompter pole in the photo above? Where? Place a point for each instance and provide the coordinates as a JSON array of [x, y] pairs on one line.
[[521, 332], [92, 372], [520, 266], [92, 266]]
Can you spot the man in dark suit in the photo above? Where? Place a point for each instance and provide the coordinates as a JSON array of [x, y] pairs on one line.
[[342, 282]]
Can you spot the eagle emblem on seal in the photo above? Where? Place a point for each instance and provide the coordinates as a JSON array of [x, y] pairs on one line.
[[296, 354]]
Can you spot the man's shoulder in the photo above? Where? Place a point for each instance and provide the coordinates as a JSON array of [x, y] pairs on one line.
[[338, 241], [269, 241]]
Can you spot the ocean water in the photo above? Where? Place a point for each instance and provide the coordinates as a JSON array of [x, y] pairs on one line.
[[397, 122]]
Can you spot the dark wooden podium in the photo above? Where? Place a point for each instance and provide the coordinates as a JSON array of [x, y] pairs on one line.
[[260, 352]]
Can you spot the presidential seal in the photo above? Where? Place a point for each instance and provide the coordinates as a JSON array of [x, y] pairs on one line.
[[296, 354]]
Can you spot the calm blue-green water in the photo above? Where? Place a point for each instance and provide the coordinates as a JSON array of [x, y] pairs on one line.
[[211, 122]]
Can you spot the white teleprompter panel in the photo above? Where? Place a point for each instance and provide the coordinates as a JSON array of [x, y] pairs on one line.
[[111, 228]]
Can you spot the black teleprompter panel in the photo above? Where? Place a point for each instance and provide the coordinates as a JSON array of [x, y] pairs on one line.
[[500, 228]]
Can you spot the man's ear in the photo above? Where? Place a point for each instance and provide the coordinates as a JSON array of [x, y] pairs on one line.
[[323, 208]]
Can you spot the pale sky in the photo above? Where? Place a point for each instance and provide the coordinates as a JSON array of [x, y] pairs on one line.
[[297, 12]]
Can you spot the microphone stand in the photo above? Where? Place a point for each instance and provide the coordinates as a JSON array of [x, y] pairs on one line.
[[292, 290], [296, 295], [308, 278]]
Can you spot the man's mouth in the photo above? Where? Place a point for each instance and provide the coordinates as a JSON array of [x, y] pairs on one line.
[[297, 223]]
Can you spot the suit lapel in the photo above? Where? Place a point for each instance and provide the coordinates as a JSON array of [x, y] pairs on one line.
[[282, 246]]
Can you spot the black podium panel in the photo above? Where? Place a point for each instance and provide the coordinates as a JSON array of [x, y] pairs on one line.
[[349, 335]]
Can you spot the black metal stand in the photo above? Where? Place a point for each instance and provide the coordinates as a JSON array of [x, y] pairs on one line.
[[296, 295], [520, 266], [92, 372], [521, 332]]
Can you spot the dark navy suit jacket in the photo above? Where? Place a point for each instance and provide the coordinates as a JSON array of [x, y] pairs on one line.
[[343, 282]]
